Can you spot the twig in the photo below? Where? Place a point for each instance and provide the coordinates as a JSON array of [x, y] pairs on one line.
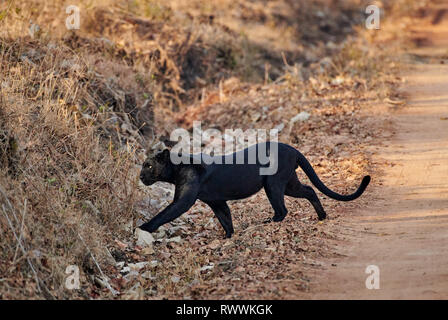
[[22, 248], [106, 282], [39, 283], [21, 230], [8, 203]]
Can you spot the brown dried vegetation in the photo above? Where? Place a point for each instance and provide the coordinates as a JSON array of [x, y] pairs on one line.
[[77, 108]]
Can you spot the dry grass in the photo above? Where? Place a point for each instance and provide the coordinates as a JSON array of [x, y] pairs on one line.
[[66, 178]]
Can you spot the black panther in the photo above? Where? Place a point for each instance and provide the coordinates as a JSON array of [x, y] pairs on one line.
[[219, 182]]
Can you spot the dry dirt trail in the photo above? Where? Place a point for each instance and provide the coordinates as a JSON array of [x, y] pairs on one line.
[[405, 230]]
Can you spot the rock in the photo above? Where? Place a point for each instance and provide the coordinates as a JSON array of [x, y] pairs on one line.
[[148, 250], [141, 184], [128, 226], [177, 239], [131, 275], [125, 270], [137, 266], [34, 30], [214, 244], [161, 233], [121, 244], [255, 116], [337, 81], [320, 14], [175, 279], [155, 203], [302, 116], [207, 267], [144, 238], [37, 253], [331, 45], [280, 127], [106, 41], [162, 191], [51, 45]]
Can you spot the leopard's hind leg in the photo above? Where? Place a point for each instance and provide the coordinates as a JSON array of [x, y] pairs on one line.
[[295, 189]]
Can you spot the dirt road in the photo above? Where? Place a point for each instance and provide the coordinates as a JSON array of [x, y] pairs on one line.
[[405, 231]]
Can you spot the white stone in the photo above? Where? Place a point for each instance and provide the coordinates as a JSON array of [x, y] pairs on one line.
[[143, 238], [302, 116]]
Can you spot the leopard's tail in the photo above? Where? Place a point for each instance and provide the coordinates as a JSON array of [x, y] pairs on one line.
[[309, 171]]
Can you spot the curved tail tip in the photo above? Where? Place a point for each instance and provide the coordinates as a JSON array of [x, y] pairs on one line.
[[365, 181]]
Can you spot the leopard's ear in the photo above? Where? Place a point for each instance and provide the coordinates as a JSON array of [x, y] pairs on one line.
[[157, 147], [163, 155]]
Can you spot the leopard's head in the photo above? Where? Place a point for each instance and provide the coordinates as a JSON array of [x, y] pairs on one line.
[[157, 167]]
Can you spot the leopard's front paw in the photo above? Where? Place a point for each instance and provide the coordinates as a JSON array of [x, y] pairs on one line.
[[148, 227], [322, 216]]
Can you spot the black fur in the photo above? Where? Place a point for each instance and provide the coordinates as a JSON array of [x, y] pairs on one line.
[[215, 184]]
